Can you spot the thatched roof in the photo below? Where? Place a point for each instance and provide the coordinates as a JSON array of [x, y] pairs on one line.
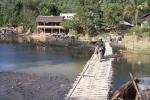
[[47, 19]]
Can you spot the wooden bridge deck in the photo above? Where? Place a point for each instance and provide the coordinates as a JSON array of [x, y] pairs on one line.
[[94, 82]]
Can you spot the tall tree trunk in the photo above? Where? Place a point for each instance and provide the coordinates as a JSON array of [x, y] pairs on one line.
[[136, 17]]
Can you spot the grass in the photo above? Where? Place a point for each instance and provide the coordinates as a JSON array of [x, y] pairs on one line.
[[139, 31], [131, 45], [145, 52]]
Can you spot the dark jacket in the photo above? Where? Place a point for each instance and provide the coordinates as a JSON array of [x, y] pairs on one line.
[[100, 44]]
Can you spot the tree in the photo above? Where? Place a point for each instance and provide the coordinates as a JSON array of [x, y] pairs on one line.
[[67, 6], [49, 9], [133, 8], [71, 24], [89, 15], [16, 14], [112, 14], [1, 18]]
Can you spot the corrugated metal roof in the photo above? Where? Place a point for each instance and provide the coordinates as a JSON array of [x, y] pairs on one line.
[[146, 15], [47, 19]]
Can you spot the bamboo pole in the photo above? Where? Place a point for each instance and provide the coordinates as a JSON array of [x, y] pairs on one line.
[[44, 27], [135, 85]]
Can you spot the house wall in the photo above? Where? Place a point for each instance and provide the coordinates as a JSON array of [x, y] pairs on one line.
[[148, 18], [67, 15], [48, 24], [51, 27]]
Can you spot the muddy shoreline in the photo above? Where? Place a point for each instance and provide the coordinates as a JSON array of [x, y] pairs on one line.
[[22, 86]]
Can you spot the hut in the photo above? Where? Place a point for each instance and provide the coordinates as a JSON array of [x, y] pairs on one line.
[[49, 24]]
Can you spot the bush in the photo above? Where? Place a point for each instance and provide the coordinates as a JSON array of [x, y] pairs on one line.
[[138, 30]]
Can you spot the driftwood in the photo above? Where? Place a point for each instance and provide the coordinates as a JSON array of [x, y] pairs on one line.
[[119, 94], [132, 91], [127, 91], [135, 85]]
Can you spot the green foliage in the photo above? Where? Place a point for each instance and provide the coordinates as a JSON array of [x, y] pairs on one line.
[[91, 15], [67, 5], [70, 24], [49, 9], [134, 9], [18, 8], [16, 12], [1, 18], [112, 14], [138, 30]]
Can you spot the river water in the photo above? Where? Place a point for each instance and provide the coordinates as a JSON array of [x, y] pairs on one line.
[[55, 61], [137, 64], [67, 62]]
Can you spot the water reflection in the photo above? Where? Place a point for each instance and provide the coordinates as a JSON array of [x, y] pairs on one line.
[[54, 60], [137, 64]]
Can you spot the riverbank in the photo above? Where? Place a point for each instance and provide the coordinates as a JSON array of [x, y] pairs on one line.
[[20, 86], [45, 40], [134, 44]]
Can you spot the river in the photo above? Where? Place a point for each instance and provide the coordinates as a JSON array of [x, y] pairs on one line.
[[54, 61], [67, 62], [137, 64], [32, 72]]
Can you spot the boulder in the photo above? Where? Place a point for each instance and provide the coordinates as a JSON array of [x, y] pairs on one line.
[[20, 29]]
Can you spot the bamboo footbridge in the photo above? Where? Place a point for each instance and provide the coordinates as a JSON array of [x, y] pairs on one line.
[[95, 81]]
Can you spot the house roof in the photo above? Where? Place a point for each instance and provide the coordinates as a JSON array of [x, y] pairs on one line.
[[147, 15], [126, 23], [47, 19]]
